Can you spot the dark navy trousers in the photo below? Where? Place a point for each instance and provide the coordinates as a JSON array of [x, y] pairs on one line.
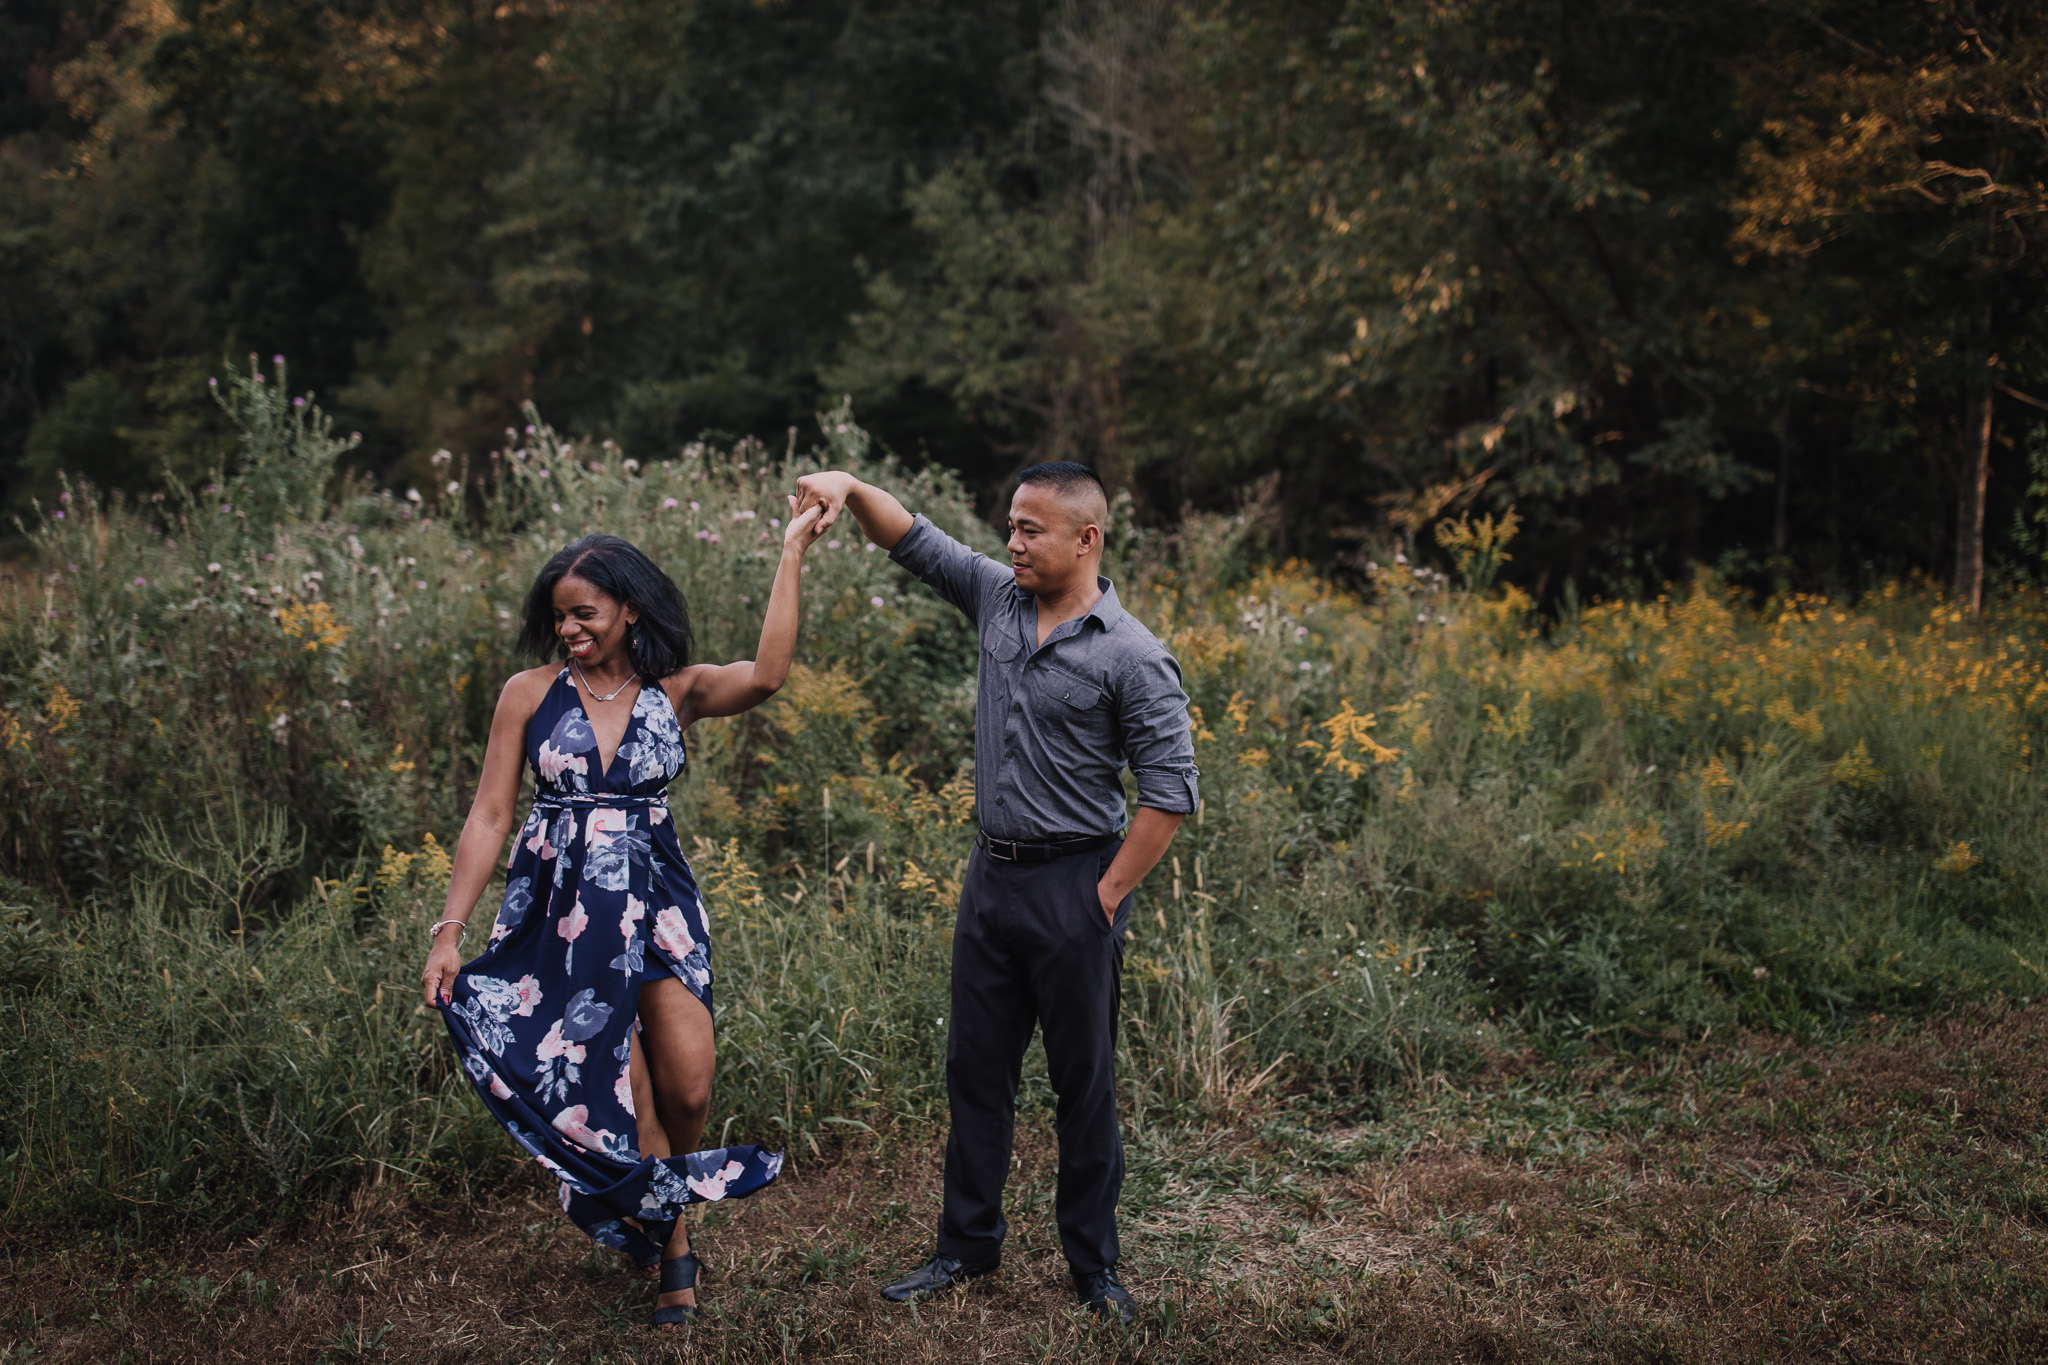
[[1033, 948]]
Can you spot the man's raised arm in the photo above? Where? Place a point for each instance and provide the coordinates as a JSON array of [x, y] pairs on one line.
[[882, 518]]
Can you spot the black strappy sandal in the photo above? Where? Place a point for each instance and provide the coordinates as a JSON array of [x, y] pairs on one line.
[[680, 1273]]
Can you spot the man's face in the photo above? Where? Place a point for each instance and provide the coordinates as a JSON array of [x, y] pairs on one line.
[[1051, 543]]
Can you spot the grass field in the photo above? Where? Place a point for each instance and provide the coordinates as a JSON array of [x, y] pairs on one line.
[[1631, 980], [1879, 1199]]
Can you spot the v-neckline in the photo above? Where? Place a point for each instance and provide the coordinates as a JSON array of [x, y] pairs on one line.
[[604, 765]]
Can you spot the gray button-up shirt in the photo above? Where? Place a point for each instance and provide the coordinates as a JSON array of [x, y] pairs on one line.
[[1054, 724]]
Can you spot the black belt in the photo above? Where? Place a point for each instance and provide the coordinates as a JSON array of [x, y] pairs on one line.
[[1042, 851]]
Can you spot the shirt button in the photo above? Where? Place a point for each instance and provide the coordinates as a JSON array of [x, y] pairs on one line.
[[1016, 706], [999, 800]]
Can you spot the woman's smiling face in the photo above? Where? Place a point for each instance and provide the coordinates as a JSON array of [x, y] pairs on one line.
[[591, 622]]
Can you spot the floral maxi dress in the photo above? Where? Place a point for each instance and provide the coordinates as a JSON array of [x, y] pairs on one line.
[[598, 899]]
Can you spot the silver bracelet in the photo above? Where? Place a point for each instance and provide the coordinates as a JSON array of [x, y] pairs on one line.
[[436, 929]]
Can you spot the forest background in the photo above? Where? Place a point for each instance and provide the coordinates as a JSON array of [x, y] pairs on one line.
[[1752, 285]]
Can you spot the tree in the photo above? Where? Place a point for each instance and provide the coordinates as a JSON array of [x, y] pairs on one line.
[[1912, 153]]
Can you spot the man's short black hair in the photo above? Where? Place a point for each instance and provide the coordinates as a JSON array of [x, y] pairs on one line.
[[1064, 476]]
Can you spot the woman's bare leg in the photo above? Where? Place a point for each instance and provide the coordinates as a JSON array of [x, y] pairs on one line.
[[675, 1056]]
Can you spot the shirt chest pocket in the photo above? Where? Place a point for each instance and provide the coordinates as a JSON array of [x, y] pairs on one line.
[[1070, 702]]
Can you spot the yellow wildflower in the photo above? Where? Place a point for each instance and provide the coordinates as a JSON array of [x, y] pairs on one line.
[[313, 622], [1958, 860]]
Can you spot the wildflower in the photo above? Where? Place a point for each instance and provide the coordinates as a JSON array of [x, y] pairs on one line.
[[277, 360], [60, 516], [213, 567], [831, 544], [667, 503], [454, 486], [703, 535], [714, 538], [140, 582], [630, 466], [412, 495], [556, 505], [1306, 665], [61, 708], [298, 402], [775, 521], [694, 505], [1958, 860], [442, 456], [874, 601], [540, 473], [64, 497]]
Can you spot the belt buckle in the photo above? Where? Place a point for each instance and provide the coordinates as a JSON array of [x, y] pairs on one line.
[[990, 845]]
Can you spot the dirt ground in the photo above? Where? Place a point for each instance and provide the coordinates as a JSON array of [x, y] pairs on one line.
[[1884, 1199]]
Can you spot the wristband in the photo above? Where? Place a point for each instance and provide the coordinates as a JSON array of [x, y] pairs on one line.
[[439, 924]]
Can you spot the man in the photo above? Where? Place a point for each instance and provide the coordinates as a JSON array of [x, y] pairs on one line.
[[1071, 689]]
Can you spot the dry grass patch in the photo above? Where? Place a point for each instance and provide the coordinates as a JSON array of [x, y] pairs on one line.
[[1879, 1200]]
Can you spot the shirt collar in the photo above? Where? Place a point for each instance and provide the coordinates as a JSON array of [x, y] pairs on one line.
[[1107, 611]]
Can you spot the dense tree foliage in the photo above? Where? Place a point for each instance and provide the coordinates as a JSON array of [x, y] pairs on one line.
[[1752, 284]]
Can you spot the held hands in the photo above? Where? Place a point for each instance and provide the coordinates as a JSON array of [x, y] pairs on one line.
[[827, 491], [806, 524]]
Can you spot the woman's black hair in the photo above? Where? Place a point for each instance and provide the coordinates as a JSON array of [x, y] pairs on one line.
[[659, 642]]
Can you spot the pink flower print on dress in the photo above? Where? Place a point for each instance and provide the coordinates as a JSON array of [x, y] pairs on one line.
[[539, 842], [657, 814], [555, 1045], [529, 995], [574, 1123], [499, 1088], [552, 763], [672, 932], [602, 825], [622, 1090], [636, 911], [713, 1186], [571, 928]]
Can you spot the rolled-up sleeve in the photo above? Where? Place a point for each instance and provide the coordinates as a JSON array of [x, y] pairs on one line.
[[1159, 743], [962, 575]]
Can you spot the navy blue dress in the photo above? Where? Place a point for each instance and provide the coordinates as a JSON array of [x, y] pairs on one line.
[[598, 899]]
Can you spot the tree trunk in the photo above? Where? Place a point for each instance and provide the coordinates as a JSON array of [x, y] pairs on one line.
[[1781, 568], [1974, 467]]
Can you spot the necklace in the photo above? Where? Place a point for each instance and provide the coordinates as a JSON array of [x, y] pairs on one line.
[[594, 694]]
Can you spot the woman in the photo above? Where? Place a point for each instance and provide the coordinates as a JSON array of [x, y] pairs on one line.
[[586, 1023]]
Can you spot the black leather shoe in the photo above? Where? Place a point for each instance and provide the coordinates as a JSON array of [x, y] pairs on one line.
[[1106, 1296], [937, 1274]]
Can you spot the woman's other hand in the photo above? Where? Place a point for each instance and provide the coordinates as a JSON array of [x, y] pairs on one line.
[[437, 981]]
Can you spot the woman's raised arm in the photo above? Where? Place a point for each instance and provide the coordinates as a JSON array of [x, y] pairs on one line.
[[727, 689], [490, 820]]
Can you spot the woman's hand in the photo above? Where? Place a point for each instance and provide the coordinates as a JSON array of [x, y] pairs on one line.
[[804, 527], [437, 981]]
